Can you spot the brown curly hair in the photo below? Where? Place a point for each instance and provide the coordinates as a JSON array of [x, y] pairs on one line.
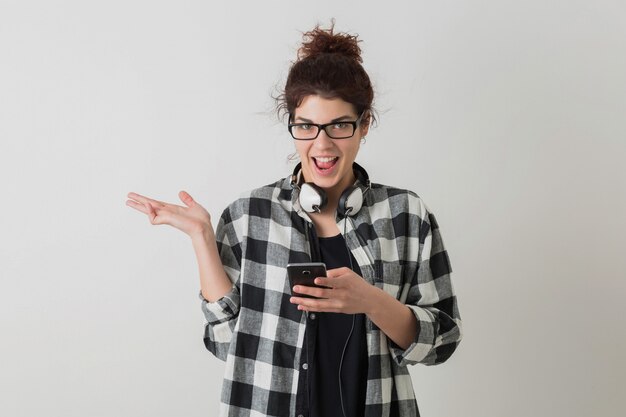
[[328, 65]]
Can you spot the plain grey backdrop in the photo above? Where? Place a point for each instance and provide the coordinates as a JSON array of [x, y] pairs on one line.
[[506, 117]]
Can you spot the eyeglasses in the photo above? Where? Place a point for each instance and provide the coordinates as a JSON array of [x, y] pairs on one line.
[[334, 130]]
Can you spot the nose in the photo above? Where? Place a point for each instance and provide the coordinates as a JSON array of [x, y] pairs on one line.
[[323, 140]]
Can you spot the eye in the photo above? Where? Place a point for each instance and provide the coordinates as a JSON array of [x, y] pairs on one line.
[[304, 126], [340, 126]]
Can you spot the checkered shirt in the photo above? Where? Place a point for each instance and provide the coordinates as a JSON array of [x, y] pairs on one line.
[[259, 333]]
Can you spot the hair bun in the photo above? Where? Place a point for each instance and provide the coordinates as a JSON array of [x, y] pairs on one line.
[[320, 41]]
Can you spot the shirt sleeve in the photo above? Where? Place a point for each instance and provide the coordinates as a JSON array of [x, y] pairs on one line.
[[221, 315], [431, 298]]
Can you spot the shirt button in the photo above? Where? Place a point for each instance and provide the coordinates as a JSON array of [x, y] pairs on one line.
[[305, 366], [312, 316]]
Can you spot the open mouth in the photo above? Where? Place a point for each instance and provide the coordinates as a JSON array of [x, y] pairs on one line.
[[325, 163]]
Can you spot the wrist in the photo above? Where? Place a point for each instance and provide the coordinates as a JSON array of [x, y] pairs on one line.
[[374, 301], [203, 234]]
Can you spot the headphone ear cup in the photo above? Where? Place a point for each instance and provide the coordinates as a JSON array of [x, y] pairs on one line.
[[312, 198], [350, 202]]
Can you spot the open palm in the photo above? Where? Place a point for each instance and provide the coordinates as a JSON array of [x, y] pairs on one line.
[[193, 219]]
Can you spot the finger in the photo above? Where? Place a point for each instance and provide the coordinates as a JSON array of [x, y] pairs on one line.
[[337, 272], [143, 207], [137, 206], [313, 291], [296, 300], [301, 303], [331, 282], [310, 304], [142, 199], [150, 212], [186, 198], [156, 218]]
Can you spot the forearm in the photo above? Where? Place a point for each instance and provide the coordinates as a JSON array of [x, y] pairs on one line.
[[214, 283], [393, 318]]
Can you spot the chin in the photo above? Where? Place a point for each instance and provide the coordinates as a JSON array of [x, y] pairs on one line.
[[329, 182]]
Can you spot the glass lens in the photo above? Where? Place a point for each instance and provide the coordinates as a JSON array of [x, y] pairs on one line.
[[304, 131], [340, 130]]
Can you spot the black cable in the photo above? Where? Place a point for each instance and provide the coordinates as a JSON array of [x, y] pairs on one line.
[[341, 364], [345, 220], [306, 347]]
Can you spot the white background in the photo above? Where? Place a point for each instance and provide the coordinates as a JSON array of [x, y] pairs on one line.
[[506, 117]]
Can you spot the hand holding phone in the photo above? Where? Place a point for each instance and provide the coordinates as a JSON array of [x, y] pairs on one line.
[[305, 274]]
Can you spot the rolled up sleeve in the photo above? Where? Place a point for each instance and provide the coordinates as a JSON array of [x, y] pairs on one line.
[[432, 300], [221, 315]]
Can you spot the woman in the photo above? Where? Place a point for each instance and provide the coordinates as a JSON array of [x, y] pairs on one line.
[[387, 300]]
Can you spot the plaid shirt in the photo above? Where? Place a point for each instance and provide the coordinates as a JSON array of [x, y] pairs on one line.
[[259, 333]]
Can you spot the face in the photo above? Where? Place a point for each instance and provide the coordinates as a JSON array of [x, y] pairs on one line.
[[328, 162]]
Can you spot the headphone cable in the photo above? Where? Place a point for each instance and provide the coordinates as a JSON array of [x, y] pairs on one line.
[[345, 347]]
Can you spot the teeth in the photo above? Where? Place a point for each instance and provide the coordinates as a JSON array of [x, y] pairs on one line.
[[326, 159]]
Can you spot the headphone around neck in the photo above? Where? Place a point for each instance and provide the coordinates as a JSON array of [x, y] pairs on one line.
[[312, 198]]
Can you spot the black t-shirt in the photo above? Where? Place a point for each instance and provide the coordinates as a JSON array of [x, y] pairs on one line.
[[327, 335]]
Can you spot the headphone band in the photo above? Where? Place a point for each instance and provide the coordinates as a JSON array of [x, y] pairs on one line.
[[313, 198], [360, 173]]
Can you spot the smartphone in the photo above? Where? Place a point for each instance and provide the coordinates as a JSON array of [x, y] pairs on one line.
[[305, 274]]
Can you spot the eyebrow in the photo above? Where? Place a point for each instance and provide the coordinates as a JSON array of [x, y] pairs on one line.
[[338, 119]]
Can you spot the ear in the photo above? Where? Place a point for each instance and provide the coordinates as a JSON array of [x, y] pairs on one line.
[[365, 125]]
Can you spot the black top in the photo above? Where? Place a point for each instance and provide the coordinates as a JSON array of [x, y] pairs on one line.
[[327, 334]]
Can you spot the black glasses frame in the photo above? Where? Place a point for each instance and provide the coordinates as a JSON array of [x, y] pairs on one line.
[[321, 127]]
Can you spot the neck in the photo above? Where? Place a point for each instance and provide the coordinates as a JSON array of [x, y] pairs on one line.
[[335, 192]]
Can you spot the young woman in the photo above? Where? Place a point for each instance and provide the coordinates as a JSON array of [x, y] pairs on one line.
[[342, 348]]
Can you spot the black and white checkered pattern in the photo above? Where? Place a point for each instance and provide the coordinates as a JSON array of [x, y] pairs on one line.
[[259, 333]]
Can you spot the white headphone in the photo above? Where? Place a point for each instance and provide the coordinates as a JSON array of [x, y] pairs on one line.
[[313, 198]]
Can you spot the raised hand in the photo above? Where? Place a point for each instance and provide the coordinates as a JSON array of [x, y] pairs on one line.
[[193, 219]]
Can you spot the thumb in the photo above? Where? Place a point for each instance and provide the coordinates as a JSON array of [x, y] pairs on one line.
[[186, 198]]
